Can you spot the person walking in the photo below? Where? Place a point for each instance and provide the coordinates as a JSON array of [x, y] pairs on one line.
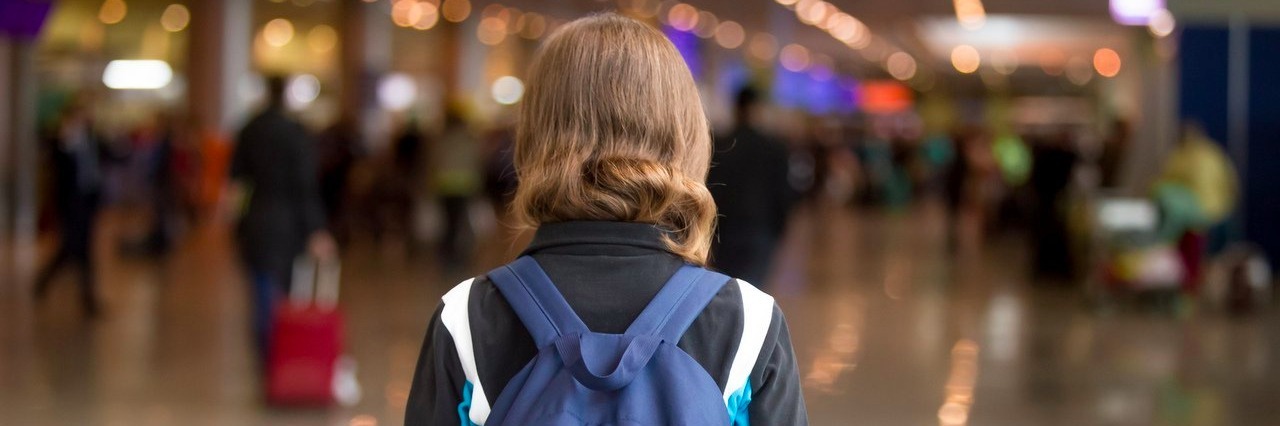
[[749, 181], [274, 178], [77, 165]]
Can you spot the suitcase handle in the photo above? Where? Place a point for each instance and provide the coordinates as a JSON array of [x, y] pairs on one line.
[[315, 282]]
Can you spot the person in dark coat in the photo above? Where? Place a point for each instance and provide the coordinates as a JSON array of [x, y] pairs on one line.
[[748, 180], [1054, 164], [77, 165], [275, 172]]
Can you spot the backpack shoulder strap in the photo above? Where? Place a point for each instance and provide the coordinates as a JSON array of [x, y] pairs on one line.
[[457, 319], [536, 301], [757, 316], [679, 303]]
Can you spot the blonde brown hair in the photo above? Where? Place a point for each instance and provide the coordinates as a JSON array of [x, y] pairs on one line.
[[612, 128]]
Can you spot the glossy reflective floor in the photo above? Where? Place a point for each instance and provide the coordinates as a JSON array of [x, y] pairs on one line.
[[891, 328]]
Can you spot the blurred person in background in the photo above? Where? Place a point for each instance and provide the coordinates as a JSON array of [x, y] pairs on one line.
[[339, 148], [1053, 164], [456, 177], [749, 181], [397, 185], [76, 154], [1114, 150], [499, 168], [1199, 172], [274, 182], [155, 152]]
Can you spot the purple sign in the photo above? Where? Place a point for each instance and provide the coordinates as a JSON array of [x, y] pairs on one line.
[[687, 44], [1134, 12], [23, 18]]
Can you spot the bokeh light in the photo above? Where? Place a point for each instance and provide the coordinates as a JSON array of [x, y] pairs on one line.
[[175, 18], [302, 91], [535, 25], [492, 31], [707, 25], [278, 32], [1052, 61], [1161, 23], [113, 11], [794, 57], [682, 17], [507, 90], [965, 58], [397, 92], [137, 74], [322, 38], [455, 10], [1107, 62], [1004, 62], [971, 14], [764, 46], [429, 17], [901, 66], [730, 35], [1078, 71]]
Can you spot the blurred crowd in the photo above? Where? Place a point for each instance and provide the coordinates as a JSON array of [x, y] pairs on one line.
[[437, 184]]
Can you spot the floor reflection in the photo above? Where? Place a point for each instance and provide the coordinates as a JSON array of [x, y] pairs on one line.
[[892, 326]]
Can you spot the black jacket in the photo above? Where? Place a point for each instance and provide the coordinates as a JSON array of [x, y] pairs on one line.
[[274, 159], [608, 272], [749, 181]]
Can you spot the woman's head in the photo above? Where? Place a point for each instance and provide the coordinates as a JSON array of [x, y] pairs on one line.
[[612, 128]]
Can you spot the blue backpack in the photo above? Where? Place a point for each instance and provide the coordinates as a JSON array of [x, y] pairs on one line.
[[639, 377]]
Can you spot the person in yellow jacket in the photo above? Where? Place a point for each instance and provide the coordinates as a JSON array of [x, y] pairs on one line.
[[1198, 189]]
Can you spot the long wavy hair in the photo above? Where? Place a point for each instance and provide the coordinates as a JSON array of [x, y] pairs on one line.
[[612, 129]]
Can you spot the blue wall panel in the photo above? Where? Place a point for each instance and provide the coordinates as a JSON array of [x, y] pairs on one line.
[[1202, 66], [1262, 183]]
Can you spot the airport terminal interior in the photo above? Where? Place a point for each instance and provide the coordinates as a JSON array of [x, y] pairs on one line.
[[999, 212]]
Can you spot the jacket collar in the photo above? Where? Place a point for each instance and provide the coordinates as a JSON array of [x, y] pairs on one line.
[[577, 237]]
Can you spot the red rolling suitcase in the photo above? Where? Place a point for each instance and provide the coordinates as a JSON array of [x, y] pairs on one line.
[[306, 340]]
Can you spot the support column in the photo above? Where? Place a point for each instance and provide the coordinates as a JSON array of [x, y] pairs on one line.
[[6, 147], [365, 54], [219, 61], [1238, 107], [22, 137]]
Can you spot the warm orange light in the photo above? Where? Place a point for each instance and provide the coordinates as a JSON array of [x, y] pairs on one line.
[[730, 35], [278, 32], [763, 46], [322, 38], [849, 30], [794, 57], [516, 23], [492, 10], [534, 26], [682, 17], [965, 58], [492, 31], [901, 66], [1106, 62], [113, 11], [429, 16], [175, 18], [971, 14], [707, 25], [1052, 61], [455, 10], [400, 12], [813, 13]]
